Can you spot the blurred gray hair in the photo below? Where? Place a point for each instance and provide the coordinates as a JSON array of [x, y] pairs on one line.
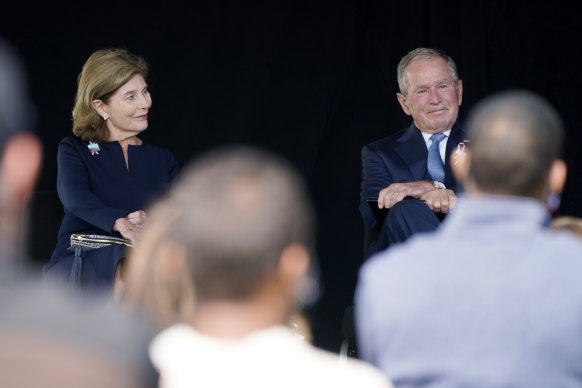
[[240, 207], [16, 109]]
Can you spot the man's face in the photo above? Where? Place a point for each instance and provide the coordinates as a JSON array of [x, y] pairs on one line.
[[433, 97]]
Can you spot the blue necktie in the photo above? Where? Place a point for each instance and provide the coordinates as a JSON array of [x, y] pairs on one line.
[[436, 168]]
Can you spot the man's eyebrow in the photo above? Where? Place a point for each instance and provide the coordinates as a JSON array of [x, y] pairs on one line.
[[425, 86]]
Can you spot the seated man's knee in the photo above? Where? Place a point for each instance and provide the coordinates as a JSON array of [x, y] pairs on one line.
[[406, 209], [406, 218]]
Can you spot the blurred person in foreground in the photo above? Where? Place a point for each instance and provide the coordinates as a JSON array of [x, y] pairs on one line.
[[224, 263], [493, 298], [47, 337]]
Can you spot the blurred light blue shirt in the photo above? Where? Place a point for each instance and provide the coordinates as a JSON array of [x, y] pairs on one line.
[[493, 298]]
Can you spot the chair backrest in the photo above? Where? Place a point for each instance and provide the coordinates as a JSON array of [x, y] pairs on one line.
[[370, 235], [350, 343], [41, 225]]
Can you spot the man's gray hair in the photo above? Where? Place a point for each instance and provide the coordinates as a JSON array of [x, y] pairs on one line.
[[424, 53]]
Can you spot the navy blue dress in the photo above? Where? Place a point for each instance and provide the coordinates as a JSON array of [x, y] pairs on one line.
[[97, 188]]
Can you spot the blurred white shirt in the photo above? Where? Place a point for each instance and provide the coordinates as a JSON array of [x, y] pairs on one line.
[[275, 357]]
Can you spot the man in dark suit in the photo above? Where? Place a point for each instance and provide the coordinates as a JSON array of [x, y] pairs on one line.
[[409, 172]]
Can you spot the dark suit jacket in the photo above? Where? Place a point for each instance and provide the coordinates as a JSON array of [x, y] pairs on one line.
[[400, 158]]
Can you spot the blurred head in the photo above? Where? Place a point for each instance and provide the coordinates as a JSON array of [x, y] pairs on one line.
[[20, 149], [430, 89], [111, 95], [35, 359], [50, 338], [237, 216], [515, 144], [17, 113]]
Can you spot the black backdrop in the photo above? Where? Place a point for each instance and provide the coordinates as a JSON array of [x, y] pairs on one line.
[[312, 80]]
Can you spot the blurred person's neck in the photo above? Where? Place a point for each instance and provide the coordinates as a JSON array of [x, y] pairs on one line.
[[234, 319], [471, 188]]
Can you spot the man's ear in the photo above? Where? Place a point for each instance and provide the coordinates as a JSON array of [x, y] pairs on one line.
[[460, 162], [19, 169], [557, 176], [460, 91], [402, 100]]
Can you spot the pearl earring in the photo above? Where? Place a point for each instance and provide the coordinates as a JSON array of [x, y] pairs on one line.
[[105, 118]]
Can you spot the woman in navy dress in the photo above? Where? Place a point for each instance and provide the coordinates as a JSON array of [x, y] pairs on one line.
[[107, 176]]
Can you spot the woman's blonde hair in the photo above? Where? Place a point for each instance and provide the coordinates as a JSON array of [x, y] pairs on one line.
[[573, 224], [104, 72], [162, 293]]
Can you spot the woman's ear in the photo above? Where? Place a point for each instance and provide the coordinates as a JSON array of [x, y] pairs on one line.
[[98, 105]]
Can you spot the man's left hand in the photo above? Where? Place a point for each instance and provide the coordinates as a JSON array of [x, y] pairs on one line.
[[440, 200]]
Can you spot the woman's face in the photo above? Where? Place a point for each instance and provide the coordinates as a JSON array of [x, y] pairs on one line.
[[127, 109]]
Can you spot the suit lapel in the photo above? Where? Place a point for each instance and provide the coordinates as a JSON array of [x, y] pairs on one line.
[[412, 149]]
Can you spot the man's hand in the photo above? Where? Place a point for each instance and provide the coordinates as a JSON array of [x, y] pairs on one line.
[[440, 200], [396, 192]]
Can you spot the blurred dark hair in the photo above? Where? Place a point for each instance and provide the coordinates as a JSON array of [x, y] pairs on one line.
[[515, 136]]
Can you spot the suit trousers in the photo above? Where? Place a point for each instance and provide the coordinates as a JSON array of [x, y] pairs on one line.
[[403, 220]]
